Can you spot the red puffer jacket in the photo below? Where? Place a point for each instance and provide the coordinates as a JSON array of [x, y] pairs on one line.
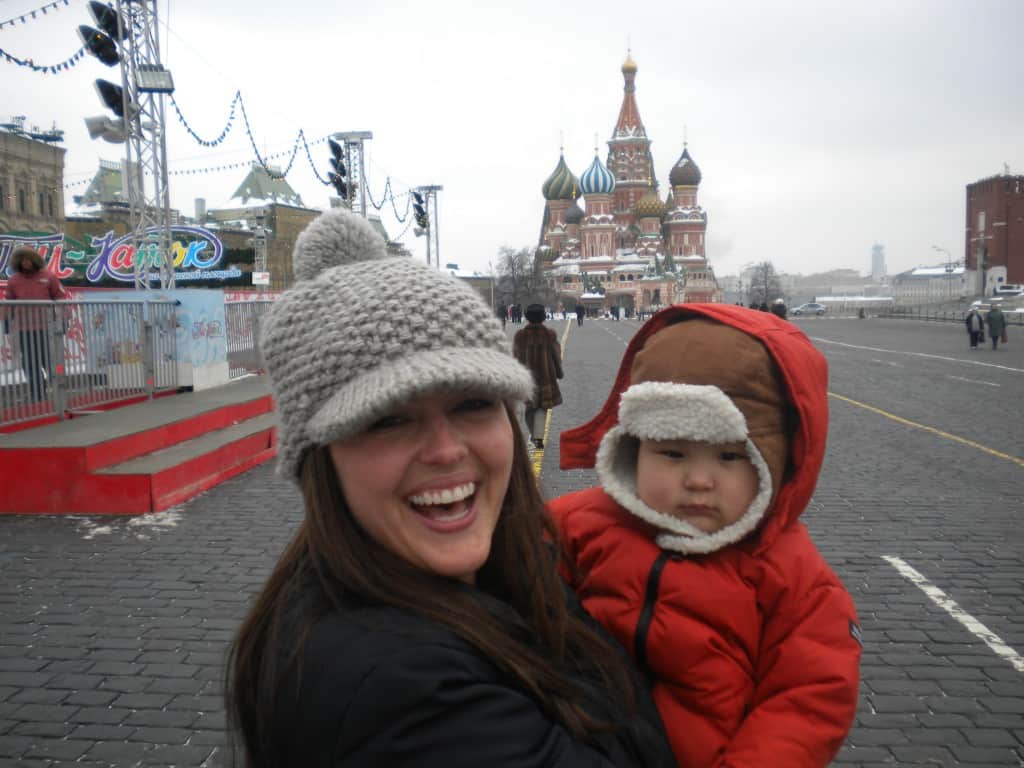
[[754, 649]]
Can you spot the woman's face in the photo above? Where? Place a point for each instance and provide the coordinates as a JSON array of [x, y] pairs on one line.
[[427, 481]]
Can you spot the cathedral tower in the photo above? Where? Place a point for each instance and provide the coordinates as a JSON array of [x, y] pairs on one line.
[[629, 159]]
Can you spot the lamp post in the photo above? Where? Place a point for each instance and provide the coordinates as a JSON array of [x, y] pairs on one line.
[[949, 271]]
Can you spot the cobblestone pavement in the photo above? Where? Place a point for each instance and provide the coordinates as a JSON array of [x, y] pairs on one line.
[[113, 630]]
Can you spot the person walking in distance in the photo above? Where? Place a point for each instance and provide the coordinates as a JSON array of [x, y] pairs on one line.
[[996, 321], [580, 311], [975, 327], [691, 551], [31, 281], [417, 617], [536, 347]]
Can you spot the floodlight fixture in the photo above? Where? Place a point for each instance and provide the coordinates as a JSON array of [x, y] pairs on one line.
[[102, 127], [153, 78], [100, 45]]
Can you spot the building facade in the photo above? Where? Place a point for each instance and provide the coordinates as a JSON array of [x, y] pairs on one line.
[[994, 235], [626, 247], [31, 179]]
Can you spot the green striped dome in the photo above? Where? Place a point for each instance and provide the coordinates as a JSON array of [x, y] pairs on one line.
[[561, 184]]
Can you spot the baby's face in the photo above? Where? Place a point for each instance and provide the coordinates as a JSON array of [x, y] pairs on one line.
[[707, 485]]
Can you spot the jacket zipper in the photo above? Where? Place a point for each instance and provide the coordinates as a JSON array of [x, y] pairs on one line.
[[643, 624]]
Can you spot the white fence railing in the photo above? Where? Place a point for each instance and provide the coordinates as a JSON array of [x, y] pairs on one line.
[[59, 358], [242, 319]]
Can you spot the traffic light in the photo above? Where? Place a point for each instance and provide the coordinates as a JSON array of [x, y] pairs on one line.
[[338, 172], [103, 44], [419, 209]]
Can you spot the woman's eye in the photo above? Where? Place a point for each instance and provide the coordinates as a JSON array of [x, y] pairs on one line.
[[733, 456], [671, 454], [474, 404], [387, 422]]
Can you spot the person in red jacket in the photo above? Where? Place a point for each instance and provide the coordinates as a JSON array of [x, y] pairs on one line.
[[31, 281], [692, 553]]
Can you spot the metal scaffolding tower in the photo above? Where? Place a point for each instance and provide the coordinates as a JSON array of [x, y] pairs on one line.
[[353, 144], [144, 82]]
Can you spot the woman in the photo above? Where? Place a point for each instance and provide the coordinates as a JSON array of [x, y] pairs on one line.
[[536, 347], [417, 617]]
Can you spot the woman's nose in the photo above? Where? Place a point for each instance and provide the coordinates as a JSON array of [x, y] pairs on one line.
[[442, 441]]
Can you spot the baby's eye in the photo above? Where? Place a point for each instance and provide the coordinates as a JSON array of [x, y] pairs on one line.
[[671, 453], [733, 456]]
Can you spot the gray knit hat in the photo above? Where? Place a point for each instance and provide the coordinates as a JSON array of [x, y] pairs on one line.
[[362, 331]]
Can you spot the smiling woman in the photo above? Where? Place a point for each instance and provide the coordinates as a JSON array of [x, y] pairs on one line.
[[417, 616]]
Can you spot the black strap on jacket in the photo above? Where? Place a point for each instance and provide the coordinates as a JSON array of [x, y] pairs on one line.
[[643, 624]]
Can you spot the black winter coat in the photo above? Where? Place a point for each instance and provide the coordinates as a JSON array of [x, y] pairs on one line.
[[381, 687]]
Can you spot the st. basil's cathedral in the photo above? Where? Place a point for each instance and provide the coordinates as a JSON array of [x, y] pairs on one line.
[[626, 247]]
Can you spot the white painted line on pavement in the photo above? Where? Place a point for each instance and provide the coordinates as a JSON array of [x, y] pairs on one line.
[[625, 342], [887, 362], [974, 381], [950, 606], [917, 354]]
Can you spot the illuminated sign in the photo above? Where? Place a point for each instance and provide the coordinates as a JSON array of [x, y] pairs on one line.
[[195, 252]]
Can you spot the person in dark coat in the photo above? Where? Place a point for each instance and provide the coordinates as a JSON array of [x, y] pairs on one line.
[[975, 327], [996, 322], [779, 308], [417, 617], [580, 312], [536, 347]]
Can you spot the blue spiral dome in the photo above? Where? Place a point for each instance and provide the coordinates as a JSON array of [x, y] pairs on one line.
[[597, 180]]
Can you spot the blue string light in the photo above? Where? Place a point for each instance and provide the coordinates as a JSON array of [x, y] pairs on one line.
[[31, 15], [51, 69]]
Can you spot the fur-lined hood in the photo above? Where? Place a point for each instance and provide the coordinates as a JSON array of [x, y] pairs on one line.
[[804, 376]]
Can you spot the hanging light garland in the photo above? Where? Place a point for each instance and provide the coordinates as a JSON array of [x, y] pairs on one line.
[[33, 15], [51, 69]]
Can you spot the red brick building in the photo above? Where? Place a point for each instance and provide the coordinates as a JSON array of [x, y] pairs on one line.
[[995, 231]]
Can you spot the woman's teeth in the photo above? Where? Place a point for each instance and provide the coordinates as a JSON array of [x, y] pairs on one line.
[[447, 496]]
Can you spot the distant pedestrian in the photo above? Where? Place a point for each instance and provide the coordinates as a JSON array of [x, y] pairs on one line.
[[580, 311], [975, 326], [536, 347], [779, 308], [996, 326], [32, 281], [502, 314]]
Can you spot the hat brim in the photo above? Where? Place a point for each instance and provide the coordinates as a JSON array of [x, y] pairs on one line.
[[369, 397]]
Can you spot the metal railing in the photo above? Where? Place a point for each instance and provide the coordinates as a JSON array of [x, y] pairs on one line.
[[61, 358], [943, 315], [242, 319]]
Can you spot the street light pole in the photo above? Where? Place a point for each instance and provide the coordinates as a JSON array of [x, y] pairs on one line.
[[949, 271]]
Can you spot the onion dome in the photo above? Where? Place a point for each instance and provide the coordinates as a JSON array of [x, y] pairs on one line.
[[561, 184], [685, 172], [628, 66], [650, 204], [574, 214], [597, 180]]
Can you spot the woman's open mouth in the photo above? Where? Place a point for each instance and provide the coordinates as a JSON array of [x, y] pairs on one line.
[[445, 510]]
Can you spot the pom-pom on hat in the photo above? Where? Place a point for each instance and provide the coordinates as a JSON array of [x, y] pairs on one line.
[[361, 332]]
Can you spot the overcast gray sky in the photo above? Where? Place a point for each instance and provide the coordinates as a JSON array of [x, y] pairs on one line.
[[820, 127]]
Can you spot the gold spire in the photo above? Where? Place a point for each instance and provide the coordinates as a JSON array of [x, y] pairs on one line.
[[628, 65]]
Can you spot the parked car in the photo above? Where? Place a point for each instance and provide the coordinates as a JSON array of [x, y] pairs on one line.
[[810, 308]]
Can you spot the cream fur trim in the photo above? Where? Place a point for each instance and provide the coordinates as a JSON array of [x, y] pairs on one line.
[[665, 411]]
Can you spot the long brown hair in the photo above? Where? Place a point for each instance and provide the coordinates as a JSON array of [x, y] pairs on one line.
[[331, 551]]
